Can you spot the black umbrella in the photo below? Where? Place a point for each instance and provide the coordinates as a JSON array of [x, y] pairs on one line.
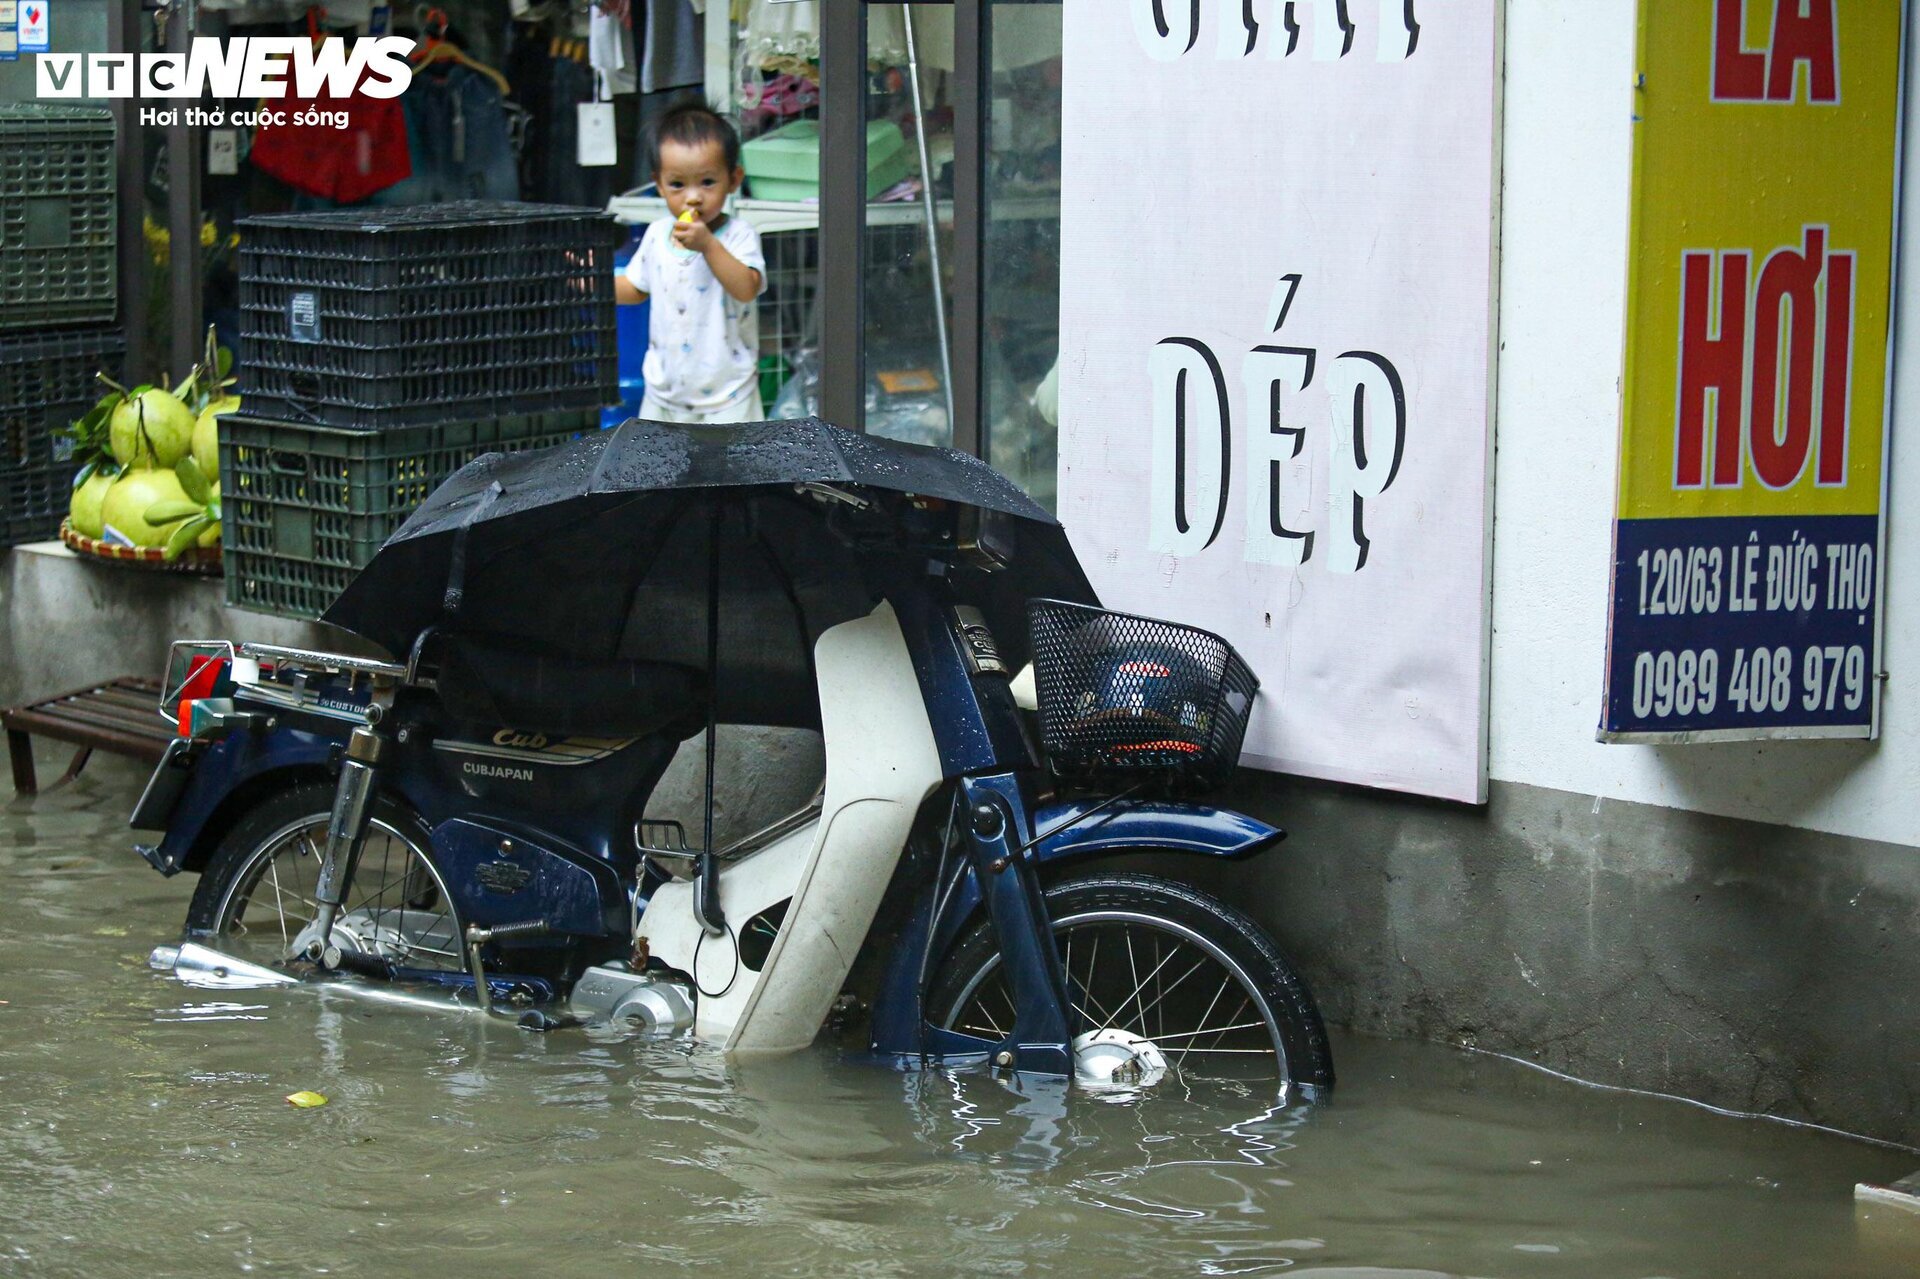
[[721, 550], [630, 544]]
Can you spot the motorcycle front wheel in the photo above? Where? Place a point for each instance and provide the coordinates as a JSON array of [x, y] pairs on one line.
[[257, 891], [1150, 959]]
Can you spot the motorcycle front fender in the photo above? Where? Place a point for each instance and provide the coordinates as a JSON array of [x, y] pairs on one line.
[[1072, 830]]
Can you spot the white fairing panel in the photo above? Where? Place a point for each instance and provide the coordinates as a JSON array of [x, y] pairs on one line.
[[881, 765]]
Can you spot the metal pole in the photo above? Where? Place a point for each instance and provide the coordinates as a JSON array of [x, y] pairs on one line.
[[843, 211], [933, 222], [706, 887], [972, 96], [124, 27], [185, 331]]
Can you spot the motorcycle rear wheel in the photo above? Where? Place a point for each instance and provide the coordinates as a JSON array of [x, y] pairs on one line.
[[1152, 958], [256, 892]]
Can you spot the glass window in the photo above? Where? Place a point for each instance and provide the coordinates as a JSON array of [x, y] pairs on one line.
[[1021, 308], [907, 264], [909, 246]]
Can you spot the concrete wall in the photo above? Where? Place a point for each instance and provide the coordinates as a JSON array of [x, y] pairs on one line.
[[1753, 966], [1568, 150], [65, 621]]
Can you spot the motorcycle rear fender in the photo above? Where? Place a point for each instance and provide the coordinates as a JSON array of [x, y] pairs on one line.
[[222, 783]]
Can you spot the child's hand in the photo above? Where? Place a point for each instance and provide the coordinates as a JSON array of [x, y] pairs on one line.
[[693, 236]]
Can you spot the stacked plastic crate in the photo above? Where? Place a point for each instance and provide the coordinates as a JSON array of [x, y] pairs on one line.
[[383, 349], [57, 301]]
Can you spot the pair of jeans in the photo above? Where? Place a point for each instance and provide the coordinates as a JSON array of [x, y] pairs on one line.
[[459, 140], [564, 180]]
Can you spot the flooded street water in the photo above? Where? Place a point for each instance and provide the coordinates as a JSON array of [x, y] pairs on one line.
[[143, 1131]]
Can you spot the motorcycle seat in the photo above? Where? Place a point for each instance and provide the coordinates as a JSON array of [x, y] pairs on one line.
[[489, 680]]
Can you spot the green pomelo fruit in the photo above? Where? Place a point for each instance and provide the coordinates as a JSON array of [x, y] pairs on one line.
[[84, 514], [169, 430], [206, 436], [127, 502]]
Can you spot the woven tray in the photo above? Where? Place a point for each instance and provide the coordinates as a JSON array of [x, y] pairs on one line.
[[198, 559]]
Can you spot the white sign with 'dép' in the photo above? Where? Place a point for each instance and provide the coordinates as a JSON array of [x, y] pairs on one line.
[[1277, 284]]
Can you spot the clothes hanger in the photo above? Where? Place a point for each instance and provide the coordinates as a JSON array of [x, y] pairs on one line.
[[437, 48]]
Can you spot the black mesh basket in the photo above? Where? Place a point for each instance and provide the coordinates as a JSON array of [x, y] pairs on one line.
[[1133, 699]]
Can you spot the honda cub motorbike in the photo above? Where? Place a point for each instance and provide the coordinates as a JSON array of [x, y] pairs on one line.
[[470, 826]]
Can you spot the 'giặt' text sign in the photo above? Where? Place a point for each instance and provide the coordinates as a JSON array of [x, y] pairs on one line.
[[1747, 564]]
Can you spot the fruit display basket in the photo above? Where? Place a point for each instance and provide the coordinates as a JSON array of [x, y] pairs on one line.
[[383, 318], [198, 559], [58, 218], [305, 507], [45, 383]]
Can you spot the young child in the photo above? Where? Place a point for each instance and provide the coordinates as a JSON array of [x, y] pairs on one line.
[[703, 273]]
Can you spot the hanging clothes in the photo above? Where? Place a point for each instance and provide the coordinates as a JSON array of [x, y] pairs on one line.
[[459, 138], [779, 35], [342, 166], [610, 50], [673, 46]]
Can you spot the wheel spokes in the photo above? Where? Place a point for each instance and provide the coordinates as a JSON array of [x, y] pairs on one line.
[[1154, 980], [396, 894]]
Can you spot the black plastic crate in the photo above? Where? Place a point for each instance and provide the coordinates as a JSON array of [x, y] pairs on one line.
[[1127, 699], [303, 508], [45, 383], [382, 318], [57, 216]]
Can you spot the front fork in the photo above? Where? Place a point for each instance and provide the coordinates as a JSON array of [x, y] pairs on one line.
[[1041, 1039], [346, 835]]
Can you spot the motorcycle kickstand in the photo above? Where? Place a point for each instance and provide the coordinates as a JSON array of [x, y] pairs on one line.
[[347, 828]]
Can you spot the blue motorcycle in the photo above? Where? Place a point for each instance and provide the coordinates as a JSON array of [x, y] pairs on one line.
[[469, 825]]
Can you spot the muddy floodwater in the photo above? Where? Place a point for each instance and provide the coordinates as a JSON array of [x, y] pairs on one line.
[[144, 1131]]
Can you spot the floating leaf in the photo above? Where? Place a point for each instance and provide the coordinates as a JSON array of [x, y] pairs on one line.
[[306, 1099]]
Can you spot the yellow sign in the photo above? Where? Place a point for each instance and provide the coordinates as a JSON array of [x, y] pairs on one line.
[[1763, 209], [1755, 399]]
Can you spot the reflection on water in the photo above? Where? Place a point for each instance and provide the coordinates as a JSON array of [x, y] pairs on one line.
[[143, 1131]]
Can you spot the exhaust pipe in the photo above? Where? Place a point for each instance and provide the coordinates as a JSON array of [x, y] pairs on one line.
[[197, 965], [202, 966]]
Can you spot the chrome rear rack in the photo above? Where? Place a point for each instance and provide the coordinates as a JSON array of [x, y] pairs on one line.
[[324, 663]]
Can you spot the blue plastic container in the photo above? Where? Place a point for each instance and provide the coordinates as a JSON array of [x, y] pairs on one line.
[[630, 338]]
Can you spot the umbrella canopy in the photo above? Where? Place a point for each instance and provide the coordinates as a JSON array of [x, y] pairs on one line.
[[604, 549]]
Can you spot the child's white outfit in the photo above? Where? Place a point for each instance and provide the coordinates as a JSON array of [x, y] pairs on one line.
[[703, 345]]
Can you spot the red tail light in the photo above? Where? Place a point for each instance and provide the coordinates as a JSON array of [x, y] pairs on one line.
[[203, 674]]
